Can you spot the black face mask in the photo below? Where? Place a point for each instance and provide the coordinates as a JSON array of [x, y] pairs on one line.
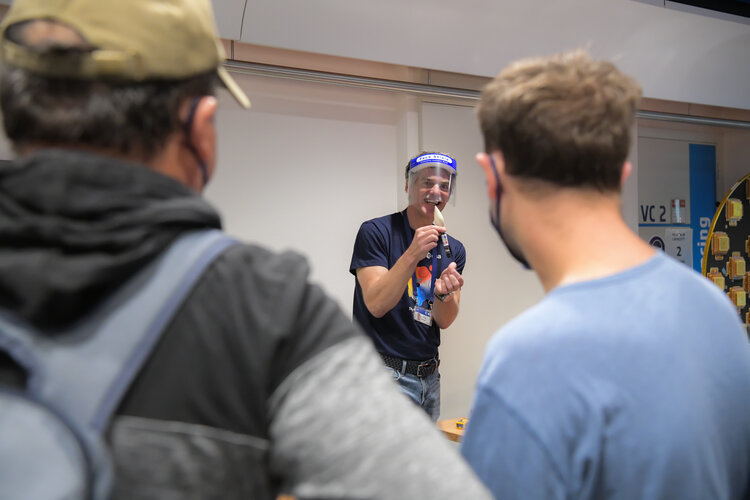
[[496, 220]]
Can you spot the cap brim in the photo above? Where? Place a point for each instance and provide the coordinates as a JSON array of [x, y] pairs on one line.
[[233, 87]]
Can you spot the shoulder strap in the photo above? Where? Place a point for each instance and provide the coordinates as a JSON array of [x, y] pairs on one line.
[[85, 371]]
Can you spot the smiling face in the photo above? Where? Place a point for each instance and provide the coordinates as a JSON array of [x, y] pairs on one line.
[[428, 188]]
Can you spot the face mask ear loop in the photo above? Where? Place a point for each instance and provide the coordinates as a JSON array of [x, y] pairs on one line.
[[496, 223], [187, 127], [498, 190]]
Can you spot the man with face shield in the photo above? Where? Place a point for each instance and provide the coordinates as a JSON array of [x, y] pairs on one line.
[[630, 379], [408, 279]]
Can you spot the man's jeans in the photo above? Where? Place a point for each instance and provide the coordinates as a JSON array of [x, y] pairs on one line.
[[425, 392]]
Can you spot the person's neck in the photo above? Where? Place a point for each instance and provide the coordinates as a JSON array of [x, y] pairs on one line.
[[171, 160], [108, 152], [570, 238], [416, 218]]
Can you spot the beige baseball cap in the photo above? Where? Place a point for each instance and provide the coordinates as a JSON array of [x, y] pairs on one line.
[[133, 40]]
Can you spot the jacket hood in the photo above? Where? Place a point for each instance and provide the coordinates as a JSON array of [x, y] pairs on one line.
[[74, 226]]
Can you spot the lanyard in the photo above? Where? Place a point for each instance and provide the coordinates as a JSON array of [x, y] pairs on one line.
[[408, 237]]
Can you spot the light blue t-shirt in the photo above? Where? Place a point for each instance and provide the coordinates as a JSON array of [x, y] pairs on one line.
[[633, 386]]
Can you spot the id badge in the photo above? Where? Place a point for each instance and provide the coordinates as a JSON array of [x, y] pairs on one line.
[[423, 315]]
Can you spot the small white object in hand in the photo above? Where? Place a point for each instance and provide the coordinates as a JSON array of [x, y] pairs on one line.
[[437, 218]]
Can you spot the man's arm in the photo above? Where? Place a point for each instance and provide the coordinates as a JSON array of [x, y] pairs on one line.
[[341, 428], [338, 426], [382, 288]]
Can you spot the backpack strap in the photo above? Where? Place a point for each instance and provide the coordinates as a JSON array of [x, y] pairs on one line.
[[84, 371]]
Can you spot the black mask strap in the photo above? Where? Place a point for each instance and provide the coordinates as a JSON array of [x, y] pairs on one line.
[[187, 129], [496, 223]]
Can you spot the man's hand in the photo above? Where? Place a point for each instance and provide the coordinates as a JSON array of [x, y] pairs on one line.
[[448, 286], [449, 281], [425, 239]]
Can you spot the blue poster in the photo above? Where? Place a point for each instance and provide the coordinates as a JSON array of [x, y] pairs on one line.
[[702, 197]]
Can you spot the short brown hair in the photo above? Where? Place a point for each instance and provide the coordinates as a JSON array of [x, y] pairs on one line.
[[564, 119]]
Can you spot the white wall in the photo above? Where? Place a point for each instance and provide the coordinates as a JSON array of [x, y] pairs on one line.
[[666, 180], [735, 160], [304, 167], [732, 149], [675, 55]]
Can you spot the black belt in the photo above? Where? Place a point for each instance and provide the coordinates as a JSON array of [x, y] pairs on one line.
[[419, 368]]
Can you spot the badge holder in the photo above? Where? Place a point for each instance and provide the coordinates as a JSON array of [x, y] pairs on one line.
[[423, 315]]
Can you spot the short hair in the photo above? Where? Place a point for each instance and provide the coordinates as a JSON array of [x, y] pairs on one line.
[[565, 119], [132, 119]]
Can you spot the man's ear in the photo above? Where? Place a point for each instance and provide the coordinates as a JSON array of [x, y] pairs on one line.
[[484, 161], [627, 169], [203, 131]]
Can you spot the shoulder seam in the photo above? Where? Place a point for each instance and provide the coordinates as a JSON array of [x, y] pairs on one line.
[[523, 422]]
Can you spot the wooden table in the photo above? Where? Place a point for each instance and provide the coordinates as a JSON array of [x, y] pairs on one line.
[[448, 426]]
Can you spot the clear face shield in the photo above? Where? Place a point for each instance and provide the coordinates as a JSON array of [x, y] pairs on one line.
[[432, 179]]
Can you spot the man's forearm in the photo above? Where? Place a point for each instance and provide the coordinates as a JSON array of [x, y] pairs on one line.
[[327, 442], [382, 288], [445, 311]]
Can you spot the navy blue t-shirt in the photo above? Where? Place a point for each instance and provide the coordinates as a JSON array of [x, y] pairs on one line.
[[381, 242]]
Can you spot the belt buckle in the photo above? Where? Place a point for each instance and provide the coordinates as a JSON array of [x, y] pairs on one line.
[[428, 366]]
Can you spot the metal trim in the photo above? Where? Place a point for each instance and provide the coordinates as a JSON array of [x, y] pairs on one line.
[[426, 90], [349, 80]]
